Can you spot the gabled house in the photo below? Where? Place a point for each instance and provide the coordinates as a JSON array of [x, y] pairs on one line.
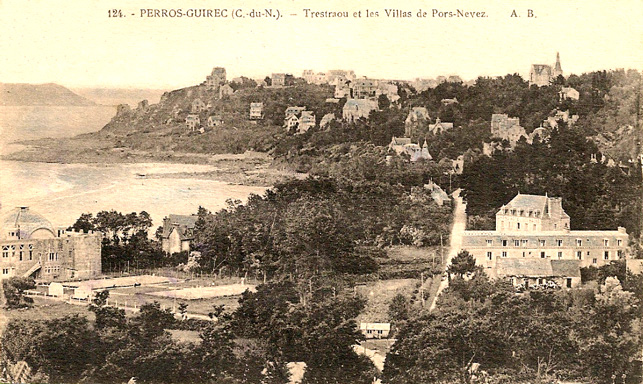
[[256, 111], [278, 79], [178, 233], [215, 121], [507, 128], [198, 105], [440, 126], [193, 122], [356, 108], [415, 152], [225, 90], [307, 120], [568, 93]]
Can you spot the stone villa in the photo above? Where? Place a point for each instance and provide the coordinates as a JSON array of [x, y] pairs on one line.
[[178, 233], [31, 247], [533, 244]]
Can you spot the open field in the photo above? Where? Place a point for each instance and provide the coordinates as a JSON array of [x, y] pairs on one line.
[[379, 295], [196, 293]]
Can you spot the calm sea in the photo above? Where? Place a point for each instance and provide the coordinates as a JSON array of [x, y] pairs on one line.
[[61, 192]]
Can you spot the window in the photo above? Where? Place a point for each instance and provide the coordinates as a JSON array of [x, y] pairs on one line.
[[560, 255], [5, 271], [541, 242], [30, 251], [579, 255], [490, 255], [579, 242], [619, 242], [5, 251], [504, 253], [51, 256], [13, 251], [20, 253], [524, 243], [606, 243], [594, 261], [620, 253], [504, 243], [607, 255], [542, 255], [559, 243], [516, 243], [540, 281], [489, 243], [517, 225]]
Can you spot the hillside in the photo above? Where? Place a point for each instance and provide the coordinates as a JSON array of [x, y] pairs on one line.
[[40, 94]]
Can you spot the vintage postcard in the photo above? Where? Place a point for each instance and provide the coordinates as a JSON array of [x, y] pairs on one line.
[[321, 192]]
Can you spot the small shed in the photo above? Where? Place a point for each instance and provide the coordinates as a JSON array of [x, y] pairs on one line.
[[375, 330]]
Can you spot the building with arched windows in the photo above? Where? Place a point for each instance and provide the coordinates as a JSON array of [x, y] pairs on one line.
[[32, 247]]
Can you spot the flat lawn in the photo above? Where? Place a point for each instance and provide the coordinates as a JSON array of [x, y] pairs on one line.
[[408, 254], [379, 295]]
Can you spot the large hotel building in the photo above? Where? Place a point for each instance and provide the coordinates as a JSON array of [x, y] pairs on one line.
[[533, 243]]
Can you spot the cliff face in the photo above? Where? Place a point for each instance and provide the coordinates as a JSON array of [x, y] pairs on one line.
[[40, 94]]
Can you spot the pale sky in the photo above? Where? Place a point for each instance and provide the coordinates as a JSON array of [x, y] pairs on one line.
[[76, 44]]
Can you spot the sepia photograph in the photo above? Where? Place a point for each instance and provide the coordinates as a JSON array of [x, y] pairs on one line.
[[321, 192]]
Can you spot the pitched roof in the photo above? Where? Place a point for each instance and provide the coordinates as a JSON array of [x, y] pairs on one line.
[[185, 220], [528, 202], [565, 268], [400, 140], [524, 267]]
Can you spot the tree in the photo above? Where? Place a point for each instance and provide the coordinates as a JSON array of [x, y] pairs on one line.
[[398, 310], [462, 264], [14, 288]]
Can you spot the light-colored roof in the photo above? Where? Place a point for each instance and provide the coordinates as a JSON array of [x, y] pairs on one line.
[[375, 326], [27, 220], [528, 202], [400, 140], [360, 104]]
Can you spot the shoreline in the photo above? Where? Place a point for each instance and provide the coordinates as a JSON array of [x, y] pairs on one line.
[[248, 169]]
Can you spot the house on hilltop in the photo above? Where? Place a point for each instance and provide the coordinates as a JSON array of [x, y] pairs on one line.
[[178, 233], [543, 74], [216, 78], [415, 152]]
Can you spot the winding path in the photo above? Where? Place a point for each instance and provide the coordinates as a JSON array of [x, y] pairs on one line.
[[455, 242]]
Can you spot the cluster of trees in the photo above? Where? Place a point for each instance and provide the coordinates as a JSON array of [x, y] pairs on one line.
[[303, 228], [595, 195], [14, 288], [271, 327], [484, 332], [126, 238]]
